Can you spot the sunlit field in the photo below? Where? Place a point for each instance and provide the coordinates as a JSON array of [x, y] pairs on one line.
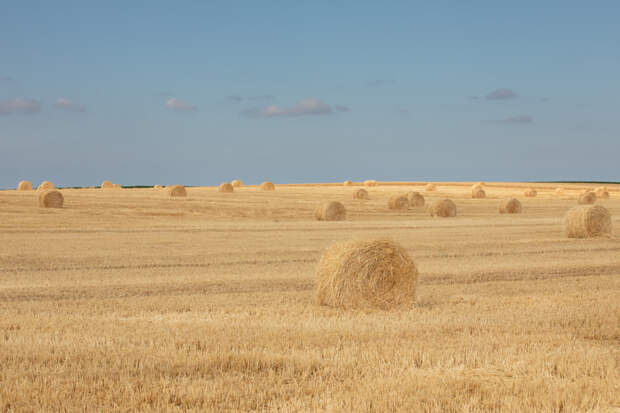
[[129, 300]]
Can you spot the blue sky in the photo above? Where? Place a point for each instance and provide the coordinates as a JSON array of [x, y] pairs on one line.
[[204, 92]]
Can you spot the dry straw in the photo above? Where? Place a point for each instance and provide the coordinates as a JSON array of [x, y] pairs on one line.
[[362, 274], [177, 190], [588, 221], [398, 202], [478, 192], [157, 186], [330, 211], [370, 182], [24, 186], [45, 185], [586, 198], [530, 193], [348, 183], [415, 199], [559, 191], [237, 183], [360, 193], [107, 185], [602, 192], [267, 186], [510, 206], [431, 187], [225, 187], [117, 186], [51, 199], [443, 208]]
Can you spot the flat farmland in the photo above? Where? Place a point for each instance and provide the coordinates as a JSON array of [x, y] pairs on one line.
[[129, 300]]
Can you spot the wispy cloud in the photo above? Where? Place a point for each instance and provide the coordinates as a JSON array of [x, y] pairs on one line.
[[380, 82], [502, 94], [177, 104], [19, 105], [521, 119], [308, 106], [66, 104]]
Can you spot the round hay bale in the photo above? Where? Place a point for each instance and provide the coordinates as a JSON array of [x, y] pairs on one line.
[[360, 193], [415, 199], [398, 202], [530, 193], [443, 208], [267, 186], [370, 182], [348, 183], [588, 221], [107, 185], [117, 186], [586, 198], [431, 187], [478, 193], [330, 211], [225, 187], [51, 199], [157, 186], [361, 274], [24, 186], [510, 206], [177, 190], [602, 192], [237, 183], [559, 191], [45, 185]]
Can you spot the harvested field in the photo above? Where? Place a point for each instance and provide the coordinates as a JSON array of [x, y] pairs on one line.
[[133, 301]]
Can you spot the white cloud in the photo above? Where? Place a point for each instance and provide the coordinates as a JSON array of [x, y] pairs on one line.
[[66, 104], [19, 105], [308, 106], [177, 104]]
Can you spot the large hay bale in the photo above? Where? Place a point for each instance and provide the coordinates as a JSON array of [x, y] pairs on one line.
[[510, 206], [225, 187], [398, 202], [586, 198], [51, 199], [237, 183], [330, 211], [24, 186], [559, 191], [530, 193], [415, 199], [478, 192], [602, 192], [370, 182], [117, 186], [359, 274], [45, 185], [267, 186], [177, 190], [348, 183], [431, 187], [360, 193], [443, 208], [158, 186], [588, 221], [107, 185]]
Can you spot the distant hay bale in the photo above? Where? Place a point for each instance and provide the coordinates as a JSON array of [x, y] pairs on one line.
[[330, 211], [24, 186], [45, 185], [267, 186], [107, 185], [478, 192], [370, 182], [177, 190], [510, 206], [117, 186], [415, 199], [360, 193], [431, 187], [586, 198], [157, 186], [348, 183], [530, 193], [237, 183], [443, 208], [361, 274], [559, 191], [225, 187], [602, 192], [51, 198], [477, 185], [588, 221], [398, 202]]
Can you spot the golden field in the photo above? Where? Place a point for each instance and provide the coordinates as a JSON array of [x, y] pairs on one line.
[[129, 300]]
